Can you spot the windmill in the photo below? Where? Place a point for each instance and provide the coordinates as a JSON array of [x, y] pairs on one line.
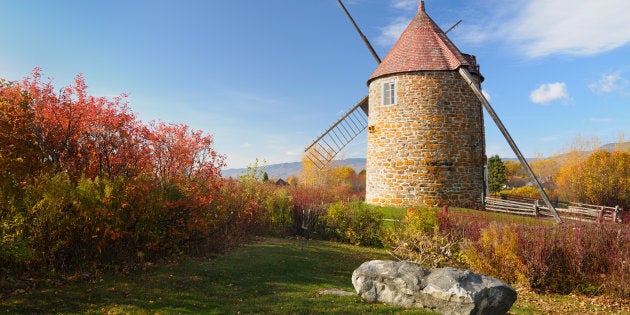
[[424, 115]]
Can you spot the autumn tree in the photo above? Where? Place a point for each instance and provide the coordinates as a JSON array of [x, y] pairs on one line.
[[602, 179], [86, 136], [496, 174], [343, 176], [312, 174], [19, 152], [327, 175], [78, 172], [292, 180], [360, 181], [179, 156], [514, 169], [545, 168], [70, 131]]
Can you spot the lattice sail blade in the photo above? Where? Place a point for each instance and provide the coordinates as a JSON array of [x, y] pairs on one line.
[[324, 149], [477, 90]]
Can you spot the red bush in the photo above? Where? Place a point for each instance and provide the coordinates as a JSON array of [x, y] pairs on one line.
[[572, 257], [84, 183]]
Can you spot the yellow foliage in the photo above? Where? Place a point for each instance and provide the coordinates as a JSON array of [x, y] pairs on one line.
[[419, 240], [495, 254], [545, 168], [514, 169], [292, 180], [525, 191], [342, 175], [602, 179], [313, 176], [328, 176]]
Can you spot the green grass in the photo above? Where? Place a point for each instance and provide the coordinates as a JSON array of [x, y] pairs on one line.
[[501, 217], [399, 214], [269, 276], [393, 213]]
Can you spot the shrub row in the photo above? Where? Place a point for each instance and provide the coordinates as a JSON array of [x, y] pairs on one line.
[[57, 225], [61, 225], [588, 258]]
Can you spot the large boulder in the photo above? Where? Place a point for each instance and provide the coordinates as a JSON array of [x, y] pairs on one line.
[[444, 290]]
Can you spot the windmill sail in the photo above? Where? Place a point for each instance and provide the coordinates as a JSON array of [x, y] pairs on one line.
[[324, 149], [468, 77]]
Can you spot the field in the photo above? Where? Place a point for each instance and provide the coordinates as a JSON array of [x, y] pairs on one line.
[[269, 275]]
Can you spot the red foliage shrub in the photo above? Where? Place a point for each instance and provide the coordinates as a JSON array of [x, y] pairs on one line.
[[84, 183], [572, 257]]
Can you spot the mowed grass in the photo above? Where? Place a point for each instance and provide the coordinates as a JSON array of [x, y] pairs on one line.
[[271, 275], [392, 213]]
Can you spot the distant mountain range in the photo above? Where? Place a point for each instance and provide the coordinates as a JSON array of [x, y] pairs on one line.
[[285, 170], [622, 146]]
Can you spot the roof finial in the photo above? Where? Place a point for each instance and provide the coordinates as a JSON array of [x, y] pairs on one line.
[[421, 6]]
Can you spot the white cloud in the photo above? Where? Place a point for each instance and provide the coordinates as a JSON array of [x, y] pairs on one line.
[[486, 94], [390, 33], [405, 4], [545, 27], [571, 27], [475, 34], [246, 145], [546, 93], [609, 83]]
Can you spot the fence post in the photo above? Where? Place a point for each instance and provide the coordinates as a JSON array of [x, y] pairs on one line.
[[536, 210], [616, 214], [601, 214]]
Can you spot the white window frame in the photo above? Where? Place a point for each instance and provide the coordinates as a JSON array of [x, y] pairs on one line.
[[389, 89]]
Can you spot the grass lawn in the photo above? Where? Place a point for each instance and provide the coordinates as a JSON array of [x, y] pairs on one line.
[[393, 213], [267, 276], [399, 214]]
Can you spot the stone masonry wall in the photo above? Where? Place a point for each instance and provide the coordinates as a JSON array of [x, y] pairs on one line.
[[428, 149]]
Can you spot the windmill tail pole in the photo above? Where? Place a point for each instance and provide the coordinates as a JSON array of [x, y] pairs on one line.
[[466, 75], [453, 27], [365, 40]]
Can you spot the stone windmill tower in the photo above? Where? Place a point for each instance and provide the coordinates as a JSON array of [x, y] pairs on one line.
[[425, 131], [425, 124]]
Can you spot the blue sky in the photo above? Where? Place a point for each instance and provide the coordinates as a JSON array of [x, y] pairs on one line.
[[266, 77]]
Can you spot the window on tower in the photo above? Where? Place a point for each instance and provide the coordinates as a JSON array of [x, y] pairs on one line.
[[389, 93]]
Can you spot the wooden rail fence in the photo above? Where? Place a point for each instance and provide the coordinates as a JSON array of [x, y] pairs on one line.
[[567, 210]]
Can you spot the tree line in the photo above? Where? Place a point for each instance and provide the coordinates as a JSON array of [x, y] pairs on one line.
[[597, 177]]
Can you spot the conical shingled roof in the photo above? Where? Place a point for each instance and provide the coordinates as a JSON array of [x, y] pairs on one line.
[[422, 46]]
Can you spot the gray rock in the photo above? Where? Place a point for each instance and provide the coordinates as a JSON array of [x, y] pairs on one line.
[[444, 290]]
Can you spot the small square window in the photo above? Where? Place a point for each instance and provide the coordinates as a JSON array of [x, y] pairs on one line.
[[389, 93]]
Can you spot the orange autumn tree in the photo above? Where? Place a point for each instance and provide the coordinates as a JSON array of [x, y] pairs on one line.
[[89, 136], [83, 180], [71, 131], [602, 179], [19, 154]]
